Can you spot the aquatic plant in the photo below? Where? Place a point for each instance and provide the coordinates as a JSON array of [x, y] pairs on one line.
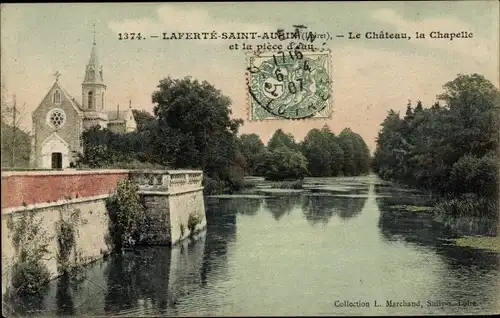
[[30, 240], [412, 208], [480, 242], [470, 205], [289, 184]]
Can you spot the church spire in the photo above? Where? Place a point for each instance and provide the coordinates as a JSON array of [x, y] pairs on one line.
[[93, 87], [93, 71]]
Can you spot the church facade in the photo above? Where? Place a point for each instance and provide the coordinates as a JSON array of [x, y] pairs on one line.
[[59, 120]]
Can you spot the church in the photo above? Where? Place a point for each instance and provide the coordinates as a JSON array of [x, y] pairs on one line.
[[59, 120]]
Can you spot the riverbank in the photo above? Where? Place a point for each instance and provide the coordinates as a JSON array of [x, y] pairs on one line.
[[468, 216]]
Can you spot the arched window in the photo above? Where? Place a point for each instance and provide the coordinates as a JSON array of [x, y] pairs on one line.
[[91, 100], [56, 98], [102, 101]]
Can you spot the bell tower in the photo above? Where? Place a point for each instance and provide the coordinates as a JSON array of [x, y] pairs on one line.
[[93, 91]]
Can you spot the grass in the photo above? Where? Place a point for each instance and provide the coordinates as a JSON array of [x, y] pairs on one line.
[[413, 208], [480, 242]]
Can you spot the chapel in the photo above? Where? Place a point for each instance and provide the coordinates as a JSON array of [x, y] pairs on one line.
[[59, 120]]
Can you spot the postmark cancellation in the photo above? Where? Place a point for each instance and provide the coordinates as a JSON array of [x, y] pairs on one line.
[[289, 85]]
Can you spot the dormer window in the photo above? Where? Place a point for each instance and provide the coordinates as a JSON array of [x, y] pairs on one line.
[[56, 97]]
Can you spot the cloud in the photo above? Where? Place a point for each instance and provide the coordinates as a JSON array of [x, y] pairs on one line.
[[477, 47], [175, 19]]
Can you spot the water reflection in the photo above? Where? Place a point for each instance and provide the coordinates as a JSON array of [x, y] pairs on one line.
[[282, 204], [319, 209], [138, 274], [467, 274], [320, 205], [148, 280], [420, 229], [221, 229]]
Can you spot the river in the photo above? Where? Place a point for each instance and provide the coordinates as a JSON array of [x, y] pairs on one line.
[[332, 250]]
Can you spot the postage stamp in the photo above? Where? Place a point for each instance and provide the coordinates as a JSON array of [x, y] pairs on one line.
[[291, 84]]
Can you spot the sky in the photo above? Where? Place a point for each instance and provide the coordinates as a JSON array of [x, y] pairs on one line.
[[369, 77]]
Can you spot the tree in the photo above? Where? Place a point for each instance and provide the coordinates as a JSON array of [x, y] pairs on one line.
[[451, 149], [284, 163], [323, 152], [279, 139], [316, 150], [145, 121], [251, 147], [16, 143], [194, 128]]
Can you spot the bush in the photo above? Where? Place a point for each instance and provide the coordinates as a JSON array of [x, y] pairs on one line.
[[212, 186], [473, 174], [126, 214], [30, 241], [234, 181], [284, 164], [29, 277]]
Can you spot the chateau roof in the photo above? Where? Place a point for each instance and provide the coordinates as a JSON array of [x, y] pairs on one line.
[[114, 115]]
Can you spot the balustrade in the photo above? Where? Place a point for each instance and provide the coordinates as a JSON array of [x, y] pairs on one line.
[[166, 180]]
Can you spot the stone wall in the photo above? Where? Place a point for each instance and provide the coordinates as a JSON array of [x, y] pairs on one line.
[[180, 194], [90, 235], [181, 206], [170, 197], [157, 207], [55, 195]]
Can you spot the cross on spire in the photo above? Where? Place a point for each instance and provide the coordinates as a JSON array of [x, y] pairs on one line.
[[94, 33], [57, 74]]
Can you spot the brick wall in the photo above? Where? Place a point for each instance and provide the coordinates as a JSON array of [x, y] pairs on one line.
[[32, 187]]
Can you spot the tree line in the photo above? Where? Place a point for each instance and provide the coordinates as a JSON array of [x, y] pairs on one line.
[[320, 154], [450, 148], [191, 128]]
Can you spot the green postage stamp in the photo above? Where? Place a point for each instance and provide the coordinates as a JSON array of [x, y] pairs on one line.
[[289, 85]]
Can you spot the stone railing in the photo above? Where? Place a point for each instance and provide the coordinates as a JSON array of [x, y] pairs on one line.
[[166, 180]]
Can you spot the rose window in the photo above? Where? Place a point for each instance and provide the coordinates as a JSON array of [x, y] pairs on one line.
[[56, 118]]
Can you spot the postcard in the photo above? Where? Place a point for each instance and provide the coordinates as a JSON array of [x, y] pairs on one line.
[[250, 159]]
